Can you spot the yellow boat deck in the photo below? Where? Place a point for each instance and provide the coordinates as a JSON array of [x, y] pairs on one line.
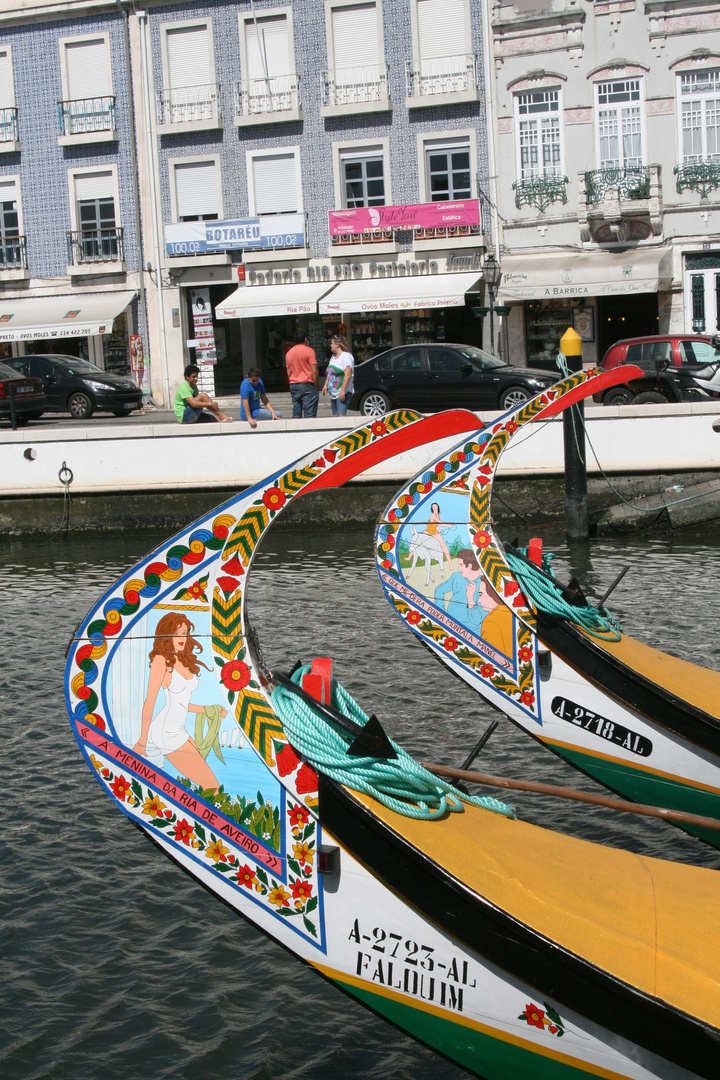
[[651, 923], [696, 685]]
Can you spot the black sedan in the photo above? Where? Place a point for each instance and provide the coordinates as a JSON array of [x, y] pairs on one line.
[[27, 395], [433, 377], [78, 387]]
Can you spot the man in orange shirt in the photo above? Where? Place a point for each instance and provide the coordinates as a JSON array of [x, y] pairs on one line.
[[302, 372]]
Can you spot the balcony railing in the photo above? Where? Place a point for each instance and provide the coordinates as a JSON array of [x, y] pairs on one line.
[[8, 125], [369, 237], [257, 97], [86, 115], [188, 104], [631, 183], [701, 176], [540, 191], [453, 232], [354, 85], [442, 75], [95, 245], [13, 254]]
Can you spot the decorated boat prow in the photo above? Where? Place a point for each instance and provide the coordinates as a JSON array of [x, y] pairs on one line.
[[509, 949], [643, 723]]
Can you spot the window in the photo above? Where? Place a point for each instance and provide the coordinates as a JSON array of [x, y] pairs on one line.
[[700, 116], [445, 360], [649, 354], [448, 171], [8, 114], [10, 249], [407, 360], [538, 133], [196, 191], [619, 123], [443, 46], [363, 178], [274, 183], [698, 352], [357, 72], [190, 94], [98, 238], [270, 83], [88, 104]]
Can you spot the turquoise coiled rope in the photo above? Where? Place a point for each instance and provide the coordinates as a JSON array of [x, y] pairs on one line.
[[547, 596], [402, 785]]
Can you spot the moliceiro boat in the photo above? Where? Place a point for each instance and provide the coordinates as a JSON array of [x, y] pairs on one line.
[[512, 950], [641, 722]]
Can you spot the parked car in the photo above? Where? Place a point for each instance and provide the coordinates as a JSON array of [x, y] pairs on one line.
[[28, 395], [437, 376], [78, 387], [679, 367]]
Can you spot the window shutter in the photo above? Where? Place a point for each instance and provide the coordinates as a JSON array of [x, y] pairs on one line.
[[355, 37], [275, 184], [188, 54], [441, 28], [270, 38], [6, 88], [8, 191], [97, 185], [196, 189], [87, 71]]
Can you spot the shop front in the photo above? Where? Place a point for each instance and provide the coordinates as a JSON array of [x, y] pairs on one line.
[[95, 326], [604, 296]]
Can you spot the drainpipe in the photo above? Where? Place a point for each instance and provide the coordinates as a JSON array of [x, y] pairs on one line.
[[136, 192], [142, 19], [490, 121]]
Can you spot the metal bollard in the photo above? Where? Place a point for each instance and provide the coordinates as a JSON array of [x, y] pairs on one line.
[[13, 414]]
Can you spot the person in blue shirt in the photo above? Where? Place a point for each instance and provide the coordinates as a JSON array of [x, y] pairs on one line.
[[254, 404], [464, 588]]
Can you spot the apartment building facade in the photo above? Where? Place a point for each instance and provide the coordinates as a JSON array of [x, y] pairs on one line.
[[608, 148]]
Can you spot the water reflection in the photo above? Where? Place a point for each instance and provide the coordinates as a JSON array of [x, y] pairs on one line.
[[115, 963]]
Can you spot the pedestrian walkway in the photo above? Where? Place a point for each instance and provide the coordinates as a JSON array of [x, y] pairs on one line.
[[281, 402]]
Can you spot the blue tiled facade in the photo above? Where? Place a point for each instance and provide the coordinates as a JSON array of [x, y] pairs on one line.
[[314, 134], [41, 163]]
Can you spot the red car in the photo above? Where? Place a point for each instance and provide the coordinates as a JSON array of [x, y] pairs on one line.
[[28, 396], [680, 367]]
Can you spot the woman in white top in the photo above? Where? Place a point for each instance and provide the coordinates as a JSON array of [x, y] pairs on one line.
[[174, 669], [339, 377]]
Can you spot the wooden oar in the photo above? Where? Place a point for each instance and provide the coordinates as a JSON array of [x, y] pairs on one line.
[[570, 793]]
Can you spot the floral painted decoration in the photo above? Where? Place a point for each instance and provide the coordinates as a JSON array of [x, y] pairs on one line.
[[546, 1019]]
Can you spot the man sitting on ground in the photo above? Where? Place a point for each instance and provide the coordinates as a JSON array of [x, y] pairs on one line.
[[190, 404], [252, 393]]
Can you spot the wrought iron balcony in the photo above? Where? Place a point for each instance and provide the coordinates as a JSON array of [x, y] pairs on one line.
[[452, 232], [632, 182], [85, 116], [13, 253], [354, 85], [540, 191], [258, 97], [367, 238], [95, 245], [189, 104], [701, 176], [442, 75], [8, 125]]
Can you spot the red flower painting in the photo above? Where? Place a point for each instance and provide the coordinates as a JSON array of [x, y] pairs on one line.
[[235, 675], [274, 498], [246, 876], [184, 831], [121, 787], [535, 1017]]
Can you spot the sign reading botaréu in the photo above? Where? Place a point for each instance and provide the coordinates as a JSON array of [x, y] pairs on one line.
[[240, 234]]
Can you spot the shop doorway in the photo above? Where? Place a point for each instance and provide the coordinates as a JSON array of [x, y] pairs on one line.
[[625, 317]]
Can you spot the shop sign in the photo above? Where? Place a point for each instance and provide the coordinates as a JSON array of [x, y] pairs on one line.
[[438, 215], [245, 234]]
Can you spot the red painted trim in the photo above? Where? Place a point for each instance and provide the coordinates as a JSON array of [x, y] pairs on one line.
[[620, 374], [439, 426]]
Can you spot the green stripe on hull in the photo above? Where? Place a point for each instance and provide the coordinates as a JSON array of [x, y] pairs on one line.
[[643, 787], [486, 1056]]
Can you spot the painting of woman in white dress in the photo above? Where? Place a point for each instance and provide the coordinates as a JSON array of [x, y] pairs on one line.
[[174, 669]]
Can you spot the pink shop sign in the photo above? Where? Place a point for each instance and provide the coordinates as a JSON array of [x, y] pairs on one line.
[[438, 215]]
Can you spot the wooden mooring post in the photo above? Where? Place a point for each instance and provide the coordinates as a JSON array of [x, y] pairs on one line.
[[576, 503]]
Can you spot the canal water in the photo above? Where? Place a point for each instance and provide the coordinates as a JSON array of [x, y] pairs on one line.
[[115, 963]]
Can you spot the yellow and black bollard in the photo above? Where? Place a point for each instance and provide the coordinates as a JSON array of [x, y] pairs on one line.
[[576, 504]]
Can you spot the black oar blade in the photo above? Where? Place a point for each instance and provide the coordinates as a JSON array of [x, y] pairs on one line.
[[373, 742]]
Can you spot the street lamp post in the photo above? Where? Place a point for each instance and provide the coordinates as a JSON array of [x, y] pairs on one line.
[[492, 274]]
